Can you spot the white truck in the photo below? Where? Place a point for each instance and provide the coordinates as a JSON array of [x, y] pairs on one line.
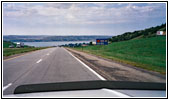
[[19, 44]]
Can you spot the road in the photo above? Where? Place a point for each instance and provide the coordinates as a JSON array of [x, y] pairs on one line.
[[45, 66]]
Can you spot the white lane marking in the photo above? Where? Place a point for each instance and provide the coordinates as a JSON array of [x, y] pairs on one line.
[[39, 61], [86, 66], [51, 51], [116, 93], [5, 87]]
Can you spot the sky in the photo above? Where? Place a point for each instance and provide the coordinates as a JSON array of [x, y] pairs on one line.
[[80, 18]]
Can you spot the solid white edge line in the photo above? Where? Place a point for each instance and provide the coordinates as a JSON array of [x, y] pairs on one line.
[[39, 61], [5, 87], [86, 66]]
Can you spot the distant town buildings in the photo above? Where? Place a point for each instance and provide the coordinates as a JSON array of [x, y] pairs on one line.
[[161, 33], [93, 43], [84, 45], [97, 42]]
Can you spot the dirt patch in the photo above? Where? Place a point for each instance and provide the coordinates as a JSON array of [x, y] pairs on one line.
[[112, 70]]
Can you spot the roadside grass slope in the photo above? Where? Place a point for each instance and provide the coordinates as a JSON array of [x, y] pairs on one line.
[[11, 51], [147, 53]]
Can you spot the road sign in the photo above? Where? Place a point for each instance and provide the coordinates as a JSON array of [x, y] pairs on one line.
[[101, 41]]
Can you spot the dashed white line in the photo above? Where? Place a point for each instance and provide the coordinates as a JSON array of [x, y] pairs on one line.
[[5, 87], [39, 61], [47, 54], [86, 66]]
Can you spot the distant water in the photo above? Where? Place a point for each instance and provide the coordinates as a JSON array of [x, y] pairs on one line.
[[55, 43]]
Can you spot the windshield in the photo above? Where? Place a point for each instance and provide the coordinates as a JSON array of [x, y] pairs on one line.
[[61, 42]]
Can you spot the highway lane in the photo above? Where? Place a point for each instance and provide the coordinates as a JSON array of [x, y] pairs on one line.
[[44, 66]]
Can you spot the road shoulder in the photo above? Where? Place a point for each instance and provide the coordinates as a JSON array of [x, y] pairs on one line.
[[112, 70]]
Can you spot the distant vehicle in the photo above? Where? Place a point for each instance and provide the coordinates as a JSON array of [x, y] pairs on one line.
[[11, 46], [19, 44]]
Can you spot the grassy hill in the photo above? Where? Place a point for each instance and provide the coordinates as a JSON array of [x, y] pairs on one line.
[[6, 44], [149, 32], [147, 53]]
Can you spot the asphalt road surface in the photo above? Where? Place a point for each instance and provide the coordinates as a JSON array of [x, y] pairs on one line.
[[44, 66]]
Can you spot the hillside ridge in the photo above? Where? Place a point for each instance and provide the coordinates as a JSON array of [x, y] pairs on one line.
[[148, 32]]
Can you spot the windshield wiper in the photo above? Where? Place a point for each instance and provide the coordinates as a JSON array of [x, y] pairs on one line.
[[89, 85]]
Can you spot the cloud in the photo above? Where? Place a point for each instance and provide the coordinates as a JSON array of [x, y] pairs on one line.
[[59, 5], [97, 13], [76, 17]]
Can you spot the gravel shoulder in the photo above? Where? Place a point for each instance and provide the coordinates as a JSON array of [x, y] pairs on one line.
[[116, 71]]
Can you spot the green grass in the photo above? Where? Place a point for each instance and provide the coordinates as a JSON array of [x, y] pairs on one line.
[[6, 44], [147, 53], [12, 51]]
